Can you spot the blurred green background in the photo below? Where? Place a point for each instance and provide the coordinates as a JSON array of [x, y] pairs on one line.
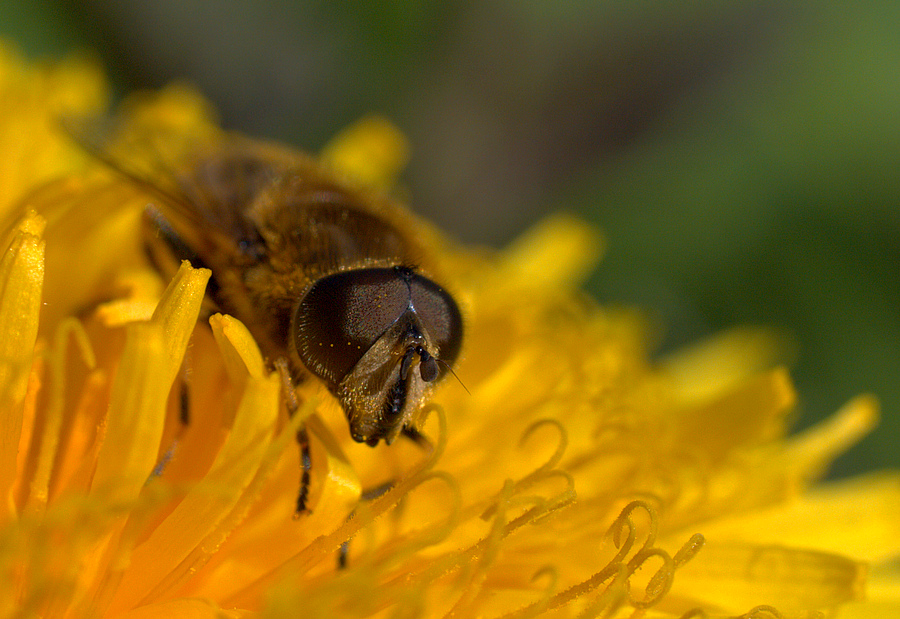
[[742, 157]]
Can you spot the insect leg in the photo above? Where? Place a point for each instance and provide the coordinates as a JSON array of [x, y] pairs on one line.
[[293, 405], [369, 494], [184, 390], [306, 463], [418, 438], [184, 417], [184, 405]]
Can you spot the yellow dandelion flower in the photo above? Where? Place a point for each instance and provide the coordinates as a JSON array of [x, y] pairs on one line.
[[571, 477]]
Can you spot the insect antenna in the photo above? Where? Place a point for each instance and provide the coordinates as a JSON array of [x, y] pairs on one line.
[[450, 369]]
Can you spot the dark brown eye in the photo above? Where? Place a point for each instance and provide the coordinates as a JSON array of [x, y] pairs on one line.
[[343, 315], [440, 317]]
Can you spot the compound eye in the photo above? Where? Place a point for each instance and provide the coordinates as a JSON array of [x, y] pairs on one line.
[[440, 317], [342, 315]]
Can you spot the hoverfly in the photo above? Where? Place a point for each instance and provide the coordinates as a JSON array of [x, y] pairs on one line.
[[323, 274]]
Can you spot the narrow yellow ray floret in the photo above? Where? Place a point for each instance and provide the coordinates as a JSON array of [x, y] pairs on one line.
[[21, 282]]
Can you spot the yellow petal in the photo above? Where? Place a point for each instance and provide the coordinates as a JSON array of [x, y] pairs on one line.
[[48, 447], [93, 232], [151, 359], [142, 291], [177, 312], [178, 110], [858, 517], [735, 578], [32, 99], [809, 453], [882, 591], [241, 354], [136, 415], [184, 608], [558, 252], [21, 282], [750, 414], [869, 609], [372, 151], [709, 368], [156, 560]]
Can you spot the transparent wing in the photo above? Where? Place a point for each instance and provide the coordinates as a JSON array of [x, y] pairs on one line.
[[203, 180]]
